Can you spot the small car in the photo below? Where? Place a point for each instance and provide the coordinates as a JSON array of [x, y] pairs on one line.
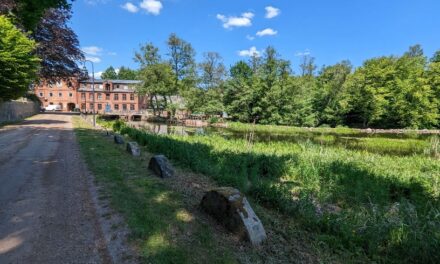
[[53, 108]]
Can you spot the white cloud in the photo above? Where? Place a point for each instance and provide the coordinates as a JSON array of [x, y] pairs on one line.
[[303, 53], [267, 32], [249, 53], [92, 50], [151, 6], [93, 59], [245, 20], [249, 37], [97, 75], [130, 7], [272, 12], [95, 2], [112, 53]]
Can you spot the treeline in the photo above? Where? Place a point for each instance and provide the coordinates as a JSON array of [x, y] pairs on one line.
[[385, 92]]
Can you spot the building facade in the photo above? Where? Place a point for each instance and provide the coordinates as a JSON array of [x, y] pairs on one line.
[[108, 96]]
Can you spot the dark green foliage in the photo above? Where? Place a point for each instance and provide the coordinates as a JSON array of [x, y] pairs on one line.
[[126, 73], [109, 74], [385, 92], [30, 12]]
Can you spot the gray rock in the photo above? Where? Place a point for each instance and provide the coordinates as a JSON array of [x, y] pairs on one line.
[[160, 165], [133, 148], [118, 139], [229, 207]]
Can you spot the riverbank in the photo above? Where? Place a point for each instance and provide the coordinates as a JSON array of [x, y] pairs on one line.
[[383, 206], [168, 210]]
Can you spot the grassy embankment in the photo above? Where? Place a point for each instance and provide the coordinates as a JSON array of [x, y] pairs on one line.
[[382, 206], [162, 228], [393, 142]]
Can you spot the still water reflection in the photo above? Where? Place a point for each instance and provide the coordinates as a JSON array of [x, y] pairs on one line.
[[393, 144]]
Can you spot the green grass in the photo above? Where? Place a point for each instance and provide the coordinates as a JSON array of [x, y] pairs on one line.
[[389, 205], [163, 229]]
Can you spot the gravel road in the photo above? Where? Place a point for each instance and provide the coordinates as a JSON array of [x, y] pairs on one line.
[[47, 210]]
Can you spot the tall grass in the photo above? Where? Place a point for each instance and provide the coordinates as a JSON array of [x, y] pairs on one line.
[[386, 207]]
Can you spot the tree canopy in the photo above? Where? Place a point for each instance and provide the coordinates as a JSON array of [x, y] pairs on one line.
[[384, 92], [18, 62]]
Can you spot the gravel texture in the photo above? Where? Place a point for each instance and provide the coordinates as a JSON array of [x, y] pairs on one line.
[[49, 211]]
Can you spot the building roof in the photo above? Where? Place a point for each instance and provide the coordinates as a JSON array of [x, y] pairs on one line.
[[112, 81]]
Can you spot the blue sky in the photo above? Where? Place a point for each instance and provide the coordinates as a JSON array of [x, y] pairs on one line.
[[110, 31]]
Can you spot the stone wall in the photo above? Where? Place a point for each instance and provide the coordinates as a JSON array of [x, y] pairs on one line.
[[17, 110]]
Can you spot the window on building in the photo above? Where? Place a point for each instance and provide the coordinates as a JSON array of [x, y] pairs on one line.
[[116, 107], [70, 94], [116, 97], [100, 86], [99, 96], [83, 95], [117, 85], [99, 106], [50, 94], [124, 107], [132, 97], [132, 107], [125, 87], [60, 94], [107, 96], [91, 96], [107, 87], [83, 106], [41, 94], [124, 97], [91, 105]]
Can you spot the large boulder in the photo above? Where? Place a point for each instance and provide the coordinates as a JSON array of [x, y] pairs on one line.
[[160, 165], [118, 139], [133, 148], [229, 207]]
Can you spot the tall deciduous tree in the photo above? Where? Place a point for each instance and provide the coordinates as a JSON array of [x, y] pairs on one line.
[[109, 74], [18, 62], [330, 92], [148, 55], [58, 46], [182, 61], [212, 70], [30, 12], [157, 82], [126, 73]]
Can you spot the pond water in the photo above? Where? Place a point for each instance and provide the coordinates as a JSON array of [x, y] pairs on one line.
[[383, 143]]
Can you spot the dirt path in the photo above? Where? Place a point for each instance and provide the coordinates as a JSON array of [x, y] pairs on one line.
[[47, 212]]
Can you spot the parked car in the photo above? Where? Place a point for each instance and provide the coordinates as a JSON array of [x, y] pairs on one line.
[[53, 108]]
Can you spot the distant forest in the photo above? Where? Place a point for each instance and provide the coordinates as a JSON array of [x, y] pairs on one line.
[[385, 92]]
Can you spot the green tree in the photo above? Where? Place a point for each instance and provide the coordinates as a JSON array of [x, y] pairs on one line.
[[30, 12], [148, 55], [413, 103], [157, 83], [109, 74], [212, 70], [239, 97], [329, 93], [182, 61], [18, 62], [126, 73]]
